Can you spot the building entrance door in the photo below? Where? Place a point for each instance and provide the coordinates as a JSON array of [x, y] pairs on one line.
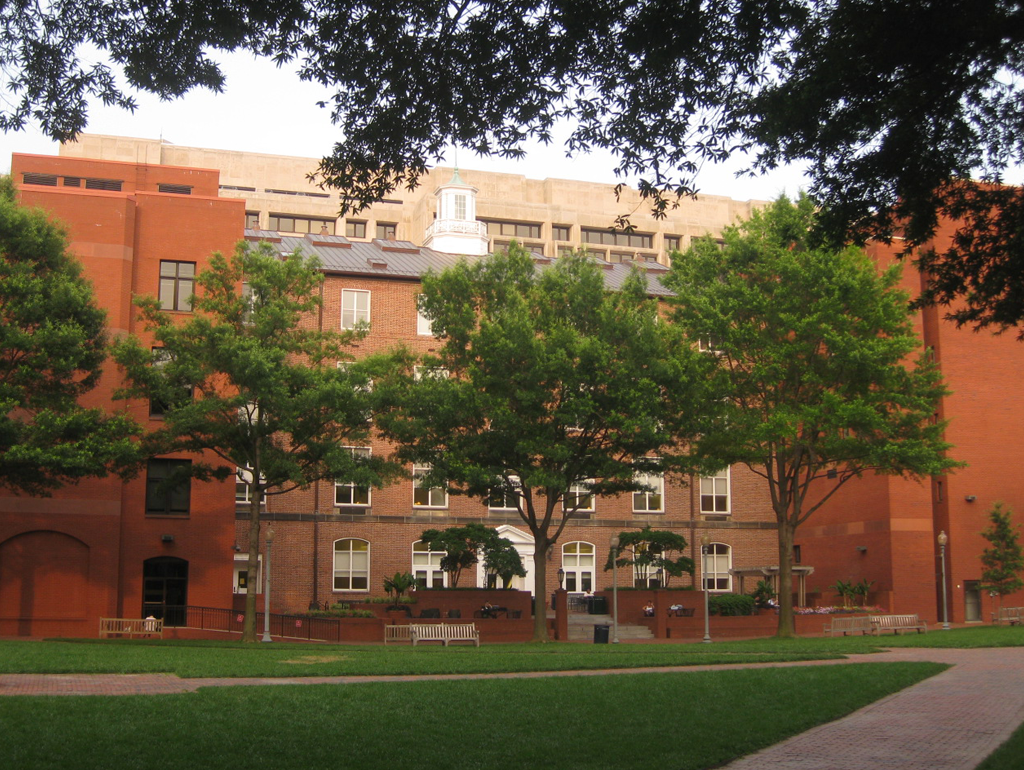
[[972, 601], [165, 589]]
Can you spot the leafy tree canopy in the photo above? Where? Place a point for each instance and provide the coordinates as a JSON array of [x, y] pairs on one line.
[[249, 379], [814, 366], [649, 550], [52, 346], [546, 389], [463, 544]]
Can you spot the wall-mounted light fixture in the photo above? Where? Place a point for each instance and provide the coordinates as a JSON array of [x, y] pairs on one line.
[[166, 538], [862, 548], [970, 498]]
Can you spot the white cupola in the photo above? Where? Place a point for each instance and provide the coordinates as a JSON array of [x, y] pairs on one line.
[[455, 229]]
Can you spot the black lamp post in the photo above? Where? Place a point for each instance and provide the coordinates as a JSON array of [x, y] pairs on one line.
[[561, 578]]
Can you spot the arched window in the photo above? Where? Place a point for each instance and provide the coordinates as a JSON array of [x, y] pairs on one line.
[[715, 572], [578, 562], [426, 566], [351, 565]]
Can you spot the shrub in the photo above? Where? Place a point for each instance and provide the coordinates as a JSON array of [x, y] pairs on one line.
[[731, 604]]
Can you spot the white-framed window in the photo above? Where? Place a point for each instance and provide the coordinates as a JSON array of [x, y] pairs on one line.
[[423, 495], [460, 207], [243, 494], [426, 566], [351, 565], [579, 562], [709, 345], [505, 499], [423, 325], [714, 493], [355, 308], [347, 493], [715, 569], [653, 500], [430, 373], [579, 497]]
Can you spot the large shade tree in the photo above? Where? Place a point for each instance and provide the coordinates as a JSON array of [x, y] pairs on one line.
[[52, 347], [893, 104], [546, 390], [249, 383], [820, 375]]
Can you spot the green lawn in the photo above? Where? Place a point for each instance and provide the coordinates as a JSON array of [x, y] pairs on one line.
[[674, 720]]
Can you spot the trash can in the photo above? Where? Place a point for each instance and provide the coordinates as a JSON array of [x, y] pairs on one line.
[[601, 633], [598, 605]]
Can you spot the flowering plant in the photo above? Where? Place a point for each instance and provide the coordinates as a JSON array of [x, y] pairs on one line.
[[831, 610]]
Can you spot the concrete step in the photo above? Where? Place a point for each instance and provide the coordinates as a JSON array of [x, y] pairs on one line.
[[579, 632]]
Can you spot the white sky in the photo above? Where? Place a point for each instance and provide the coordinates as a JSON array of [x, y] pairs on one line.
[[232, 121]]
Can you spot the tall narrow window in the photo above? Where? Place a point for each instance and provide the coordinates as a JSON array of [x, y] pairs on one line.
[[714, 493], [423, 325], [715, 571], [460, 207], [355, 308], [426, 566], [578, 562], [351, 565], [349, 493], [578, 498], [177, 284]]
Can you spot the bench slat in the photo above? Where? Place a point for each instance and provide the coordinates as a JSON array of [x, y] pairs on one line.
[[444, 633]]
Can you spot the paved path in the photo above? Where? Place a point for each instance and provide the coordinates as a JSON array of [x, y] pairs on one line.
[[949, 722]]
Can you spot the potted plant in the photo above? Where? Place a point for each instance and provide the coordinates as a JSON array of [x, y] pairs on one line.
[[396, 587]]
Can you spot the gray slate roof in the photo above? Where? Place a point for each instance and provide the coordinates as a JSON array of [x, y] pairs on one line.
[[405, 260]]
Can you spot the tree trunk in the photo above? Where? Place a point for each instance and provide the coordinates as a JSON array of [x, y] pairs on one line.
[[540, 579], [787, 532], [253, 565]]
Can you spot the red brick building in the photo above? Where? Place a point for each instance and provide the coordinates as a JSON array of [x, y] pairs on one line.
[[103, 549]]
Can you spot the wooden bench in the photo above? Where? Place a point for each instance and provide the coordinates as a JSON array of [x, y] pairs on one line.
[[397, 634], [1011, 615], [897, 623], [849, 624], [131, 627], [444, 633]]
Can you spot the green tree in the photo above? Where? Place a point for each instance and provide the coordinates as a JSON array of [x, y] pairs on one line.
[[464, 544], [247, 379], [649, 550], [1004, 561], [52, 347], [548, 390], [812, 350]]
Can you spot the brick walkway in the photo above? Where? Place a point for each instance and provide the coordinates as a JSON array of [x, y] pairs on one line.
[[949, 722]]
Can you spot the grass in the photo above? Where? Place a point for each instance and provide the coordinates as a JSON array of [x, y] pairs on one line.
[[1007, 756], [686, 721]]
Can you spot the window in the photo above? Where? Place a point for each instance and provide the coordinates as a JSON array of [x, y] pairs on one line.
[[349, 493], [505, 499], [579, 498], [290, 223], [177, 284], [672, 242], [646, 570], [163, 496], [351, 565], [242, 492], [460, 206], [578, 561], [252, 220], [651, 501], [159, 407], [424, 496], [355, 308], [560, 232], [423, 324], [715, 571], [513, 229], [714, 493], [426, 566], [387, 231], [355, 229], [176, 189], [709, 345], [430, 373], [614, 238]]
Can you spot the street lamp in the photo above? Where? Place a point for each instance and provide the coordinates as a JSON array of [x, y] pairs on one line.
[[266, 590], [705, 542], [943, 539], [561, 578], [615, 590]]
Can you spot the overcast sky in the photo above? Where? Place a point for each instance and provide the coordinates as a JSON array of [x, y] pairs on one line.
[[294, 125]]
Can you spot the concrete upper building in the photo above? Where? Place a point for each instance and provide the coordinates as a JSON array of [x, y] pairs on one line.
[[547, 216]]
